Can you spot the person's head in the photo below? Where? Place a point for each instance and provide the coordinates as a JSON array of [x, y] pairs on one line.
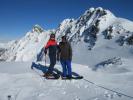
[[64, 39], [52, 37]]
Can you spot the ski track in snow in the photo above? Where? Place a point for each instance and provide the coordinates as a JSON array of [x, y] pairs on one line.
[[28, 85]]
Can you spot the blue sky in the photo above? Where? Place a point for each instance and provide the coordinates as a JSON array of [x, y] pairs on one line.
[[19, 16]]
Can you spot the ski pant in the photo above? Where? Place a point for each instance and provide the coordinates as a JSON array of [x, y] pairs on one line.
[[66, 67], [52, 63]]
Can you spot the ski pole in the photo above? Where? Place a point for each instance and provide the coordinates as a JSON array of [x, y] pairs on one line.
[[45, 59]]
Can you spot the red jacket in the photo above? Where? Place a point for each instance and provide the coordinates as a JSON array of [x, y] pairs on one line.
[[51, 43], [52, 46]]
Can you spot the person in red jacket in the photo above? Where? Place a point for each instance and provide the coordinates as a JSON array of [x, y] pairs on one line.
[[52, 47]]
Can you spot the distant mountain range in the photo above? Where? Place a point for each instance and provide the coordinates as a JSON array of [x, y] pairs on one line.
[[96, 35]]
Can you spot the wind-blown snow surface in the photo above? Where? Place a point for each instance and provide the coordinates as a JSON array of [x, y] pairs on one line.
[[22, 83]]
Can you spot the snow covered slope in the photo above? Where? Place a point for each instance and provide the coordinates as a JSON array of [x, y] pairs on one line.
[[19, 82], [28, 47], [97, 36]]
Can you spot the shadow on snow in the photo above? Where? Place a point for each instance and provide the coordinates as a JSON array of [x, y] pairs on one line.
[[45, 68]]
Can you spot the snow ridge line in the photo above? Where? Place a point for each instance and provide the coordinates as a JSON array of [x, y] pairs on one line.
[[119, 93]]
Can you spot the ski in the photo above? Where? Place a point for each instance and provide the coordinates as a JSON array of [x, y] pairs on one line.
[[54, 76], [78, 77], [75, 78]]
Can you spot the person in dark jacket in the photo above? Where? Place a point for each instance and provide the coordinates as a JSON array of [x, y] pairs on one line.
[[52, 47], [65, 57]]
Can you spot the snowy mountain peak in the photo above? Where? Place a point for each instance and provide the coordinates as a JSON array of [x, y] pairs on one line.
[[28, 46], [98, 10], [90, 22], [37, 28], [92, 9]]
